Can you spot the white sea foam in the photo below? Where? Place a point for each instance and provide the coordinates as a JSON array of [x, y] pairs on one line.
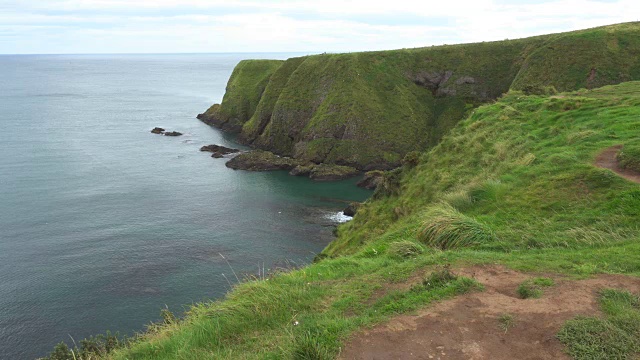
[[338, 217]]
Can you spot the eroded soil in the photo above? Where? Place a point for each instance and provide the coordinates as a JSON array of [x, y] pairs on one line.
[[469, 326]]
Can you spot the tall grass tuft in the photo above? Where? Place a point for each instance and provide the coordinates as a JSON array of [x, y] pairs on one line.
[[404, 249], [459, 199], [309, 347], [446, 228]]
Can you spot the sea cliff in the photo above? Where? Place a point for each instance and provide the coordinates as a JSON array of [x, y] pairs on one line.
[[368, 110]]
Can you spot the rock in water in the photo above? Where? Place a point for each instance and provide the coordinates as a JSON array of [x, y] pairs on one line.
[[172, 133], [157, 130], [218, 151], [351, 209]]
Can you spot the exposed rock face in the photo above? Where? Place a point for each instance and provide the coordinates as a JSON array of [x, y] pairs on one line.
[[435, 81], [218, 151], [301, 170], [259, 160], [351, 209], [157, 130], [371, 179], [172, 133]]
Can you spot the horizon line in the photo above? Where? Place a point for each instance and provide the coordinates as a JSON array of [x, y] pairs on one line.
[[174, 53]]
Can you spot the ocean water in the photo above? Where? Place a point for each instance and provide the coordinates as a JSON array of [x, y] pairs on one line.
[[102, 223]]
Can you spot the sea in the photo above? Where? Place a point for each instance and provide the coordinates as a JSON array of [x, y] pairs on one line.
[[103, 224]]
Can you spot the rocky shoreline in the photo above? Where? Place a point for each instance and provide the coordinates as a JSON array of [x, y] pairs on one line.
[[261, 160]]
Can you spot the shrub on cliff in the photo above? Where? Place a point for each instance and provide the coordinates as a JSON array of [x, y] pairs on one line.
[[446, 228]]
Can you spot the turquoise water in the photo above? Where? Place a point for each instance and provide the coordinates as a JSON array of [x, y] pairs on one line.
[[102, 223]]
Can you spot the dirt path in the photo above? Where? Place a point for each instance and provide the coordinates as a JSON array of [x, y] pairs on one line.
[[468, 327], [607, 160]]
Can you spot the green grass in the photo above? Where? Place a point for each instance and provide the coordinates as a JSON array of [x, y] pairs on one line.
[[616, 336]]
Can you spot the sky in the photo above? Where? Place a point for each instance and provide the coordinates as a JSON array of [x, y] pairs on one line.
[[200, 26]]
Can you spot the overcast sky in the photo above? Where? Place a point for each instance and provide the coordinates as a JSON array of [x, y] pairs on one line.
[[171, 26]]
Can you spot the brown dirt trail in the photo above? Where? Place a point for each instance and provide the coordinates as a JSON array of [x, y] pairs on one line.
[[468, 326]]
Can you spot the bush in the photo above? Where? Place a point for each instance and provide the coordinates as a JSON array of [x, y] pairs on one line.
[[446, 228], [537, 89], [389, 185], [412, 159], [92, 348], [439, 278], [60, 352]]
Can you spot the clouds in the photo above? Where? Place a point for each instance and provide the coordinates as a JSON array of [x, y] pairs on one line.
[[99, 26]]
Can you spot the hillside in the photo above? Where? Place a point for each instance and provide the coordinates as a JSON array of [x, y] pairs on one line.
[[513, 185], [368, 110]]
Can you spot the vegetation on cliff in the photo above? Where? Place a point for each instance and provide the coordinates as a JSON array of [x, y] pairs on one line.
[[367, 110], [243, 93]]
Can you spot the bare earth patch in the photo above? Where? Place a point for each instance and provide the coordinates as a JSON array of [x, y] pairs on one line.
[[607, 160], [468, 326]]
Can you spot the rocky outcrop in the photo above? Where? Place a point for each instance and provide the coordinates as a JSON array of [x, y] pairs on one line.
[[259, 160], [172, 133], [218, 151], [351, 209], [301, 170], [329, 172], [157, 130], [371, 179]]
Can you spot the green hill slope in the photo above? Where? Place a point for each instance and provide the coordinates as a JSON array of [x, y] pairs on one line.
[[524, 167], [513, 184], [367, 110]]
